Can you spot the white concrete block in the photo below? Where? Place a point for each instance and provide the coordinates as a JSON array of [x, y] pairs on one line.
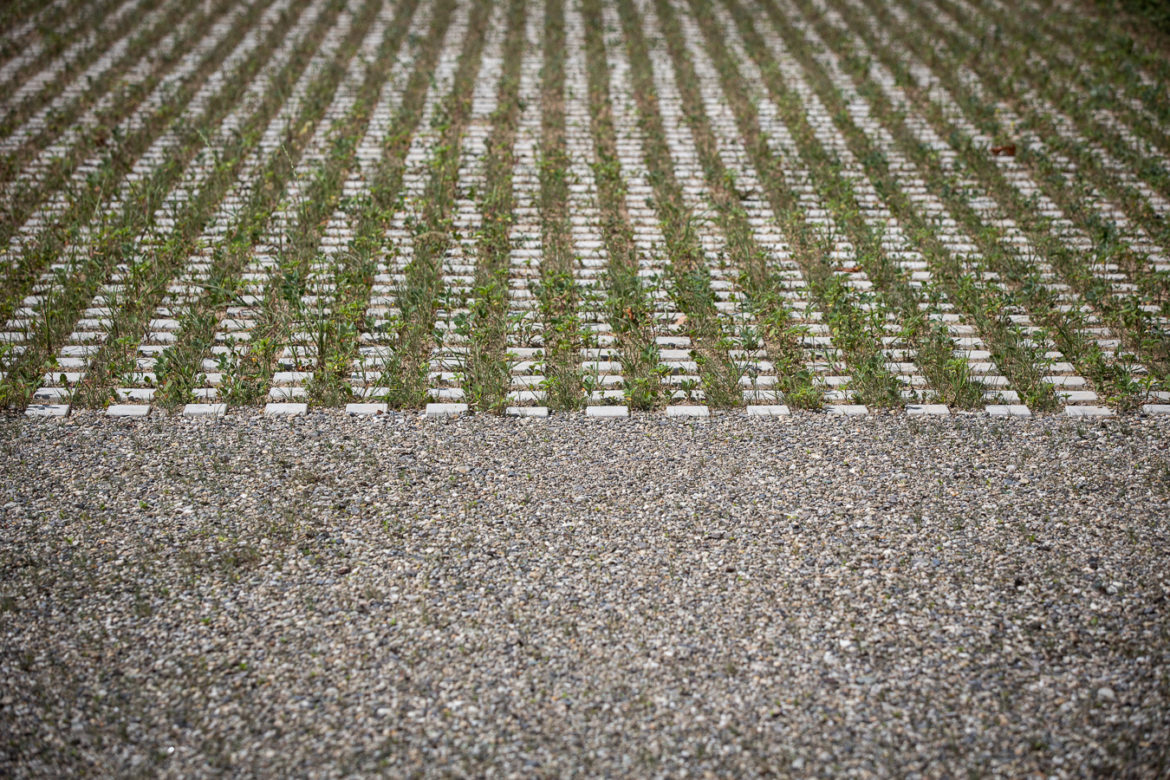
[[47, 410], [769, 410], [366, 410], [606, 412], [205, 410], [925, 409], [128, 410], [446, 410], [1088, 411], [285, 410], [526, 411], [1008, 410]]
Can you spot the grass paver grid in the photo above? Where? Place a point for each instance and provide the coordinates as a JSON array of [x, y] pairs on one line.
[[69, 117], [726, 234], [1101, 194], [642, 203], [320, 348], [956, 243], [307, 270], [419, 353], [1051, 251], [175, 316], [1036, 74], [44, 57], [110, 34], [964, 343], [878, 234], [51, 310], [252, 360], [474, 362], [394, 240], [102, 317], [46, 169], [61, 186]]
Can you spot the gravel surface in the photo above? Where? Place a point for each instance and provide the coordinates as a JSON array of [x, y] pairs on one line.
[[805, 596]]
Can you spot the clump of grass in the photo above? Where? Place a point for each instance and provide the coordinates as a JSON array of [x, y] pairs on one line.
[[245, 373], [113, 237], [1109, 373]]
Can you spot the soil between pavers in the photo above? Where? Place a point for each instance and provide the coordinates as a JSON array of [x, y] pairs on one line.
[[807, 595]]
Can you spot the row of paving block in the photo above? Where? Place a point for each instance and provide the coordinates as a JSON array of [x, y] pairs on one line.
[[440, 410]]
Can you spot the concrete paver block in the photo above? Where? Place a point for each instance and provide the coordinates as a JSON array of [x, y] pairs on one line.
[[285, 410], [607, 412], [767, 410], [688, 411], [127, 410], [205, 410], [446, 410]]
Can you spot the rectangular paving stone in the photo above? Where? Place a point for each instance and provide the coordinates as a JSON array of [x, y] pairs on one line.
[[606, 412], [205, 410], [127, 410], [366, 410], [1088, 411], [285, 410], [927, 409], [526, 411], [847, 410], [688, 411], [1156, 408], [446, 410], [1008, 410], [47, 410], [767, 410]]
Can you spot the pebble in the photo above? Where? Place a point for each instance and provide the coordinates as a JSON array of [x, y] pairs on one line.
[[297, 595]]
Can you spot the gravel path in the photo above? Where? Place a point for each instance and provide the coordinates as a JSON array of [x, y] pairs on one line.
[[811, 595]]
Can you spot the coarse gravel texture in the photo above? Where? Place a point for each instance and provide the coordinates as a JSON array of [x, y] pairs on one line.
[[811, 595]]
